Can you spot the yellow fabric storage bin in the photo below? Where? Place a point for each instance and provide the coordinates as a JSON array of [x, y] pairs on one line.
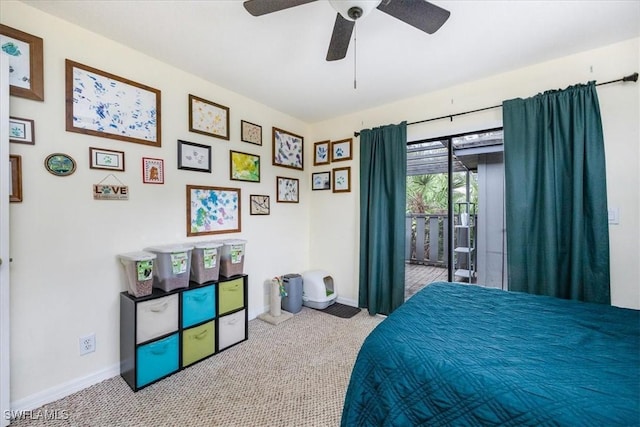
[[198, 343], [230, 295]]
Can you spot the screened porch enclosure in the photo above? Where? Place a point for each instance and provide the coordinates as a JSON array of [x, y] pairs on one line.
[[471, 248]]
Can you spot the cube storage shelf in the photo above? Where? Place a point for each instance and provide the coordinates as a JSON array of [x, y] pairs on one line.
[[165, 332]]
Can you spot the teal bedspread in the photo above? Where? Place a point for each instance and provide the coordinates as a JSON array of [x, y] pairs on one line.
[[461, 355]]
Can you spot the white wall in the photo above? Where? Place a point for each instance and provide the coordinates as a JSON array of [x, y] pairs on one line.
[[335, 217], [65, 276]]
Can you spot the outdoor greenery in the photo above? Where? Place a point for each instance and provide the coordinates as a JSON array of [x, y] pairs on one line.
[[428, 193]]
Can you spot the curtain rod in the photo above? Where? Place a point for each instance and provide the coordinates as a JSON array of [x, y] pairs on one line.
[[630, 78]]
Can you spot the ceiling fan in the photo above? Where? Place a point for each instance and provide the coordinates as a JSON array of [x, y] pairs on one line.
[[420, 14]]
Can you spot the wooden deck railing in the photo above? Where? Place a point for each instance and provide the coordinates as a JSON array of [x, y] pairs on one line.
[[426, 239]]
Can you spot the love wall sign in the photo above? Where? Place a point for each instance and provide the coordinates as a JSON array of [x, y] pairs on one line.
[[102, 191]]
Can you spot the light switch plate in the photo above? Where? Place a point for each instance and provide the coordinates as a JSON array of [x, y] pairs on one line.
[[614, 216]]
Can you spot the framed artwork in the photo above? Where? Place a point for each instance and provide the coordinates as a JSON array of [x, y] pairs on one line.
[[60, 164], [341, 150], [102, 104], [212, 210], [287, 149], [152, 171], [25, 63], [99, 158], [21, 131], [321, 153], [194, 157], [342, 180], [321, 181], [259, 204], [208, 118], [16, 178], [287, 190], [244, 166], [250, 132]]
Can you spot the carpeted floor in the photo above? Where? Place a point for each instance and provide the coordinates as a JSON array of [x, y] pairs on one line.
[[292, 374]]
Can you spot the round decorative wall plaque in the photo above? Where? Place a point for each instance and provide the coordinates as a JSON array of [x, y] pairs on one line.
[[60, 164]]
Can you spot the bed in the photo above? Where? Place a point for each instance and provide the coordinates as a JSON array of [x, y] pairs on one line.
[[464, 355]]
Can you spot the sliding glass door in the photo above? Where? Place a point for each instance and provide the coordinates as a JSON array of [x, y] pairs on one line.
[[455, 208]]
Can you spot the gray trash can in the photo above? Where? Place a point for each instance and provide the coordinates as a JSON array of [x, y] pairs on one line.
[[293, 286]]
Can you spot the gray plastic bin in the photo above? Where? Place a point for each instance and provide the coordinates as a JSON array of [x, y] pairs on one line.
[[138, 267], [293, 286], [232, 257], [205, 262], [172, 267]]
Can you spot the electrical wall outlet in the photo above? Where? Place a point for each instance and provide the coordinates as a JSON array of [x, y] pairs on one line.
[[87, 344]]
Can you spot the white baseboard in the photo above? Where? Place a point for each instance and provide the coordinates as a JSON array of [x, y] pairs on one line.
[[255, 313], [63, 390], [347, 301]]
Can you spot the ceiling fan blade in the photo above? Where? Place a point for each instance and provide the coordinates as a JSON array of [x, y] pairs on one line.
[[342, 30], [262, 7], [421, 14]]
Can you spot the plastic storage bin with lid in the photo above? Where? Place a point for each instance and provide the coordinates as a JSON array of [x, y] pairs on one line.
[[173, 266], [205, 261], [138, 267], [232, 257]]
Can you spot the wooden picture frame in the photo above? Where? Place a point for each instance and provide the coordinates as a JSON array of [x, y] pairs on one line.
[[259, 204], [105, 105], [250, 132], [213, 210], [321, 181], [342, 180], [22, 131], [321, 153], [194, 157], [100, 158], [16, 178], [152, 171], [342, 150], [287, 190], [288, 149], [25, 51], [244, 166], [208, 118]]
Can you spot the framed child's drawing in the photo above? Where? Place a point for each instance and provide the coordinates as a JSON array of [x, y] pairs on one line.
[[102, 104], [212, 210]]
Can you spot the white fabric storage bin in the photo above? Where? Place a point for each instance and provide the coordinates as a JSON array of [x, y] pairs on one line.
[[157, 317], [231, 329]]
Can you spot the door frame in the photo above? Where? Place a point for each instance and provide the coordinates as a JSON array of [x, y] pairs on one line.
[[5, 353]]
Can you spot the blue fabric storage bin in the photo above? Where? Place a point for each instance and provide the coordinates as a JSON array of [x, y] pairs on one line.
[[157, 359], [198, 305]]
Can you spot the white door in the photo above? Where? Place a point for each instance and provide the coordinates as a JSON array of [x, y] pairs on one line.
[[5, 172]]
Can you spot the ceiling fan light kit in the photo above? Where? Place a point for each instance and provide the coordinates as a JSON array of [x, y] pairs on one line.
[[420, 14], [354, 9]]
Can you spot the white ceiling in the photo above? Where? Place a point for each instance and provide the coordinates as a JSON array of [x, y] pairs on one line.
[[279, 59]]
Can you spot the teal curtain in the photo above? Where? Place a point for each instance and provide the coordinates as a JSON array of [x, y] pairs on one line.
[[556, 198], [383, 175]]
